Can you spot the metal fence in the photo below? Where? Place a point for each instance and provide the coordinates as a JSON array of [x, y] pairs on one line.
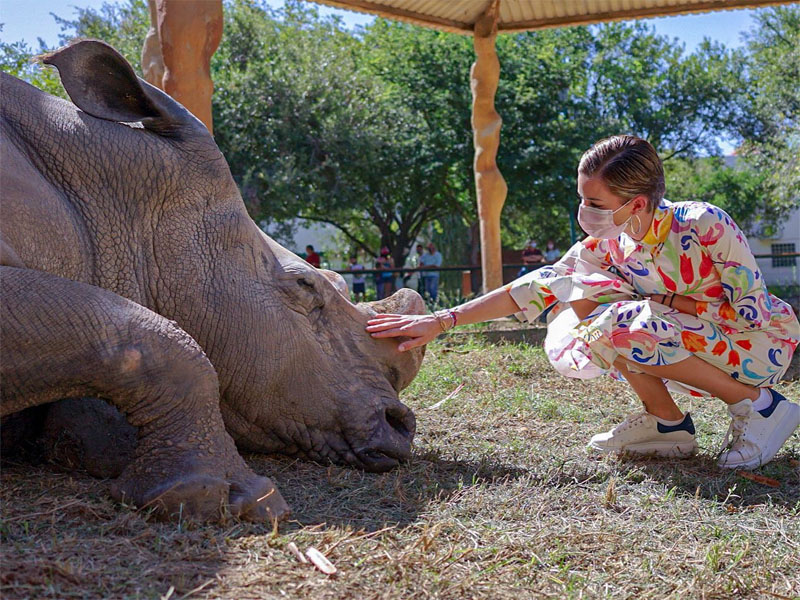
[[461, 281]]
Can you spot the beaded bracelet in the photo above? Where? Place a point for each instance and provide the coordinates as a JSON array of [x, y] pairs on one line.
[[454, 316]]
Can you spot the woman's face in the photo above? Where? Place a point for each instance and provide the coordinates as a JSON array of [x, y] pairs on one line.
[[593, 191]]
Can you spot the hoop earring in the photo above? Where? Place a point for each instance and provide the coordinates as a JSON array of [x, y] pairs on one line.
[[638, 225]]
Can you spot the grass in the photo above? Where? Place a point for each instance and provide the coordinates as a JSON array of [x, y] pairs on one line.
[[500, 501]]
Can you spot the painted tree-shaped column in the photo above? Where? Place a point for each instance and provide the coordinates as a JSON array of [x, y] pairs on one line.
[[176, 57], [489, 183]]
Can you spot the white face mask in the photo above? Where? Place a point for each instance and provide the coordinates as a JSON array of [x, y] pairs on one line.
[[599, 223]]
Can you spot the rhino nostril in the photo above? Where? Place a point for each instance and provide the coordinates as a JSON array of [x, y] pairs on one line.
[[398, 418]]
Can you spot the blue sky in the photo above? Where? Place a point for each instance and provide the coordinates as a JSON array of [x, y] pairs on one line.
[[28, 19]]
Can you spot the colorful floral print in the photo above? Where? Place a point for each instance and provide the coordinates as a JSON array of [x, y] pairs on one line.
[[692, 249]]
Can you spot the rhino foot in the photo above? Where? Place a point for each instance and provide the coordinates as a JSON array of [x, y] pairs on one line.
[[204, 498], [257, 499]]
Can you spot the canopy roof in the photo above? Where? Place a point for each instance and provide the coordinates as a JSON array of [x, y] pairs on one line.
[[523, 15]]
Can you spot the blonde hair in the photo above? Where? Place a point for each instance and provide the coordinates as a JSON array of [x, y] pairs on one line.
[[628, 165]]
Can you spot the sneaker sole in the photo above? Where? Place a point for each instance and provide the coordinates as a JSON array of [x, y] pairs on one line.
[[783, 432], [677, 450]]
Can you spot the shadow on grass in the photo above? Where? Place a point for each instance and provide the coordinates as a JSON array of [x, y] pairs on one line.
[[700, 477], [342, 496]]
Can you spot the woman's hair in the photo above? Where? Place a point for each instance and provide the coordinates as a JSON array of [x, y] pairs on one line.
[[628, 165]]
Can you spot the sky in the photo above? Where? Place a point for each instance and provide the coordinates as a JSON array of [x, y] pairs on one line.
[[27, 20]]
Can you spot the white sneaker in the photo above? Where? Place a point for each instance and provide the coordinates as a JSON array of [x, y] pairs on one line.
[[755, 436], [643, 434]]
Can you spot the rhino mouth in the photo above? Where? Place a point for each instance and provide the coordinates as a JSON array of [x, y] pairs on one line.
[[375, 461], [390, 443]]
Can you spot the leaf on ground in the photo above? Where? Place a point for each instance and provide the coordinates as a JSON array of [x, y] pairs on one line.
[[759, 478]]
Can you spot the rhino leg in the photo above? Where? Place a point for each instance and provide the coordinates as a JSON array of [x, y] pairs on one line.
[[65, 339], [88, 433]]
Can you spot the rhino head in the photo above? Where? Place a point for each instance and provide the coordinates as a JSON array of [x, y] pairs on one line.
[[168, 229]]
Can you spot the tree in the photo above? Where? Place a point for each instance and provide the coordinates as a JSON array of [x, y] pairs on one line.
[[770, 102], [310, 132], [369, 130], [124, 25], [731, 186], [18, 60]]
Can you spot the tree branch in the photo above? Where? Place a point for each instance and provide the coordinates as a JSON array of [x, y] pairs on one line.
[[341, 228]]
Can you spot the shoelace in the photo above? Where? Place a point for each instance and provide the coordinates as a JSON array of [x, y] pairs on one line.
[[735, 431], [631, 421]]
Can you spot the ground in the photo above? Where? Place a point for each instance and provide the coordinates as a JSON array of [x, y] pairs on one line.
[[500, 501]]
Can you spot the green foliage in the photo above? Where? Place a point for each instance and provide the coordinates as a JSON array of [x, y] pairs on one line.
[[736, 189], [370, 130], [311, 131], [18, 59], [124, 25], [567, 88], [771, 103]]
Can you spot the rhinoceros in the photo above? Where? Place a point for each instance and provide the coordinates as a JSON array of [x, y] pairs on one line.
[[131, 272]]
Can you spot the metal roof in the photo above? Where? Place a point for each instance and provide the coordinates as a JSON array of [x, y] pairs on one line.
[[523, 15]]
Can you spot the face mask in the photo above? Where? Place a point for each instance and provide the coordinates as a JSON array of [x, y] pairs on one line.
[[599, 223]]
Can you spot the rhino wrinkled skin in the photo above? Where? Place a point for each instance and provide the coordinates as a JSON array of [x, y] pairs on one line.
[[131, 272]]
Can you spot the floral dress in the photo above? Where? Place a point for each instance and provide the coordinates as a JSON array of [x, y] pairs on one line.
[[692, 249]]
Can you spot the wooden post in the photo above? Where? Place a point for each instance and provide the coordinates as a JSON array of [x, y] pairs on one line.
[[176, 57], [466, 284], [489, 183]]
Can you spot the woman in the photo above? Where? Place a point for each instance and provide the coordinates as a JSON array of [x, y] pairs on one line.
[[384, 281], [666, 296]]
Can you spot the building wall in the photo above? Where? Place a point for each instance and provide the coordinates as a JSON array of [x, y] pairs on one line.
[[789, 233]]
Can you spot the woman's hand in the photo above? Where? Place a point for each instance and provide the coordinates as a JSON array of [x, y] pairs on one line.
[[420, 328]]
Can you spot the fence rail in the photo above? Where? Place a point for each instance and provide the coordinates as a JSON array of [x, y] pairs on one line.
[[401, 270]]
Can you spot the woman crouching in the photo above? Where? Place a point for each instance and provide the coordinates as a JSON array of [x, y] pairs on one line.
[[666, 296]]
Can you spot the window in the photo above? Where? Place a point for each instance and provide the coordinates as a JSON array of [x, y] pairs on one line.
[[783, 261]]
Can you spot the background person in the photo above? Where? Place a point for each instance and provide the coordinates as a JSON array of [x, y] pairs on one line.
[[430, 278], [686, 309], [312, 257], [412, 279], [384, 281], [359, 280], [551, 253], [531, 255]]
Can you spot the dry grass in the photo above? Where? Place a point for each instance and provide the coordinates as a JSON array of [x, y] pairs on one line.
[[500, 501]]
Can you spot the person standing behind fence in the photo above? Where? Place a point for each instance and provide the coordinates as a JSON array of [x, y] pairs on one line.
[[430, 279], [385, 278], [551, 253], [412, 279], [312, 257], [359, 281], [531, 255]]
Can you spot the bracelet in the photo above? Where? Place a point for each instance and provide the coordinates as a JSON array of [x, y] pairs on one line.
[[671, 300], [441, 322], [452, 313]]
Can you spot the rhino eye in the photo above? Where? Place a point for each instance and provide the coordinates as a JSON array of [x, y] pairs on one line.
[[306, 295]]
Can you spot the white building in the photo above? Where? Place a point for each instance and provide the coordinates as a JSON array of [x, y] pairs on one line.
[[779, 270]]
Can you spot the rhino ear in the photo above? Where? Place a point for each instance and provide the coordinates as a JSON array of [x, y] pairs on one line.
[[101, 83]]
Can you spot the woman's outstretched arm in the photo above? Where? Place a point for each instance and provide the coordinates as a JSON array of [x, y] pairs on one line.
[[422, 329]]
